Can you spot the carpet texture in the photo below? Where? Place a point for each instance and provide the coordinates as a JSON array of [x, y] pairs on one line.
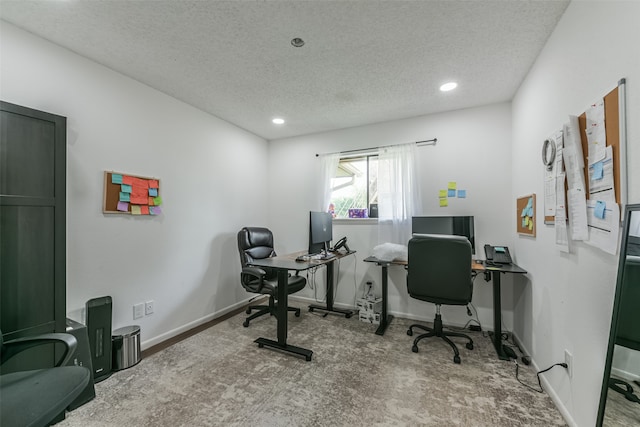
[[220, 377]]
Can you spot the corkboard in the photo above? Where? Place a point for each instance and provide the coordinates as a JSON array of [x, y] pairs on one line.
[[522, 222], [612, 129], [150, 206]]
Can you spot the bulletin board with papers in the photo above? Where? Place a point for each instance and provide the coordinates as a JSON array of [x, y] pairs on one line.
[[131, 195], [585, 187]]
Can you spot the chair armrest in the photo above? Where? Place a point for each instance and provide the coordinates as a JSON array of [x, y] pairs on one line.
[[254, 273], [13, 347]]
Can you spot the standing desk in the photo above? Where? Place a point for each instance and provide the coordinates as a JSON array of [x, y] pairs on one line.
[[283, 264], [493, 270], [330, 296]]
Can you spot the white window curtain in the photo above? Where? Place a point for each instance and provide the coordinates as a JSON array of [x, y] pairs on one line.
[[398, 192], [328, 167]]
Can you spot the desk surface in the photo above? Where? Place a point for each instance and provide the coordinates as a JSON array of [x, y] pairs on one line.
[[475, 265], [289, 262]]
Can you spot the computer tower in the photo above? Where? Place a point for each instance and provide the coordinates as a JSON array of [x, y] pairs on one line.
[[82, 357], [99, 330]]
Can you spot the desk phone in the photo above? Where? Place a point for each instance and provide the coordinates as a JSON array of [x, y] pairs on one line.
[[497, 254]]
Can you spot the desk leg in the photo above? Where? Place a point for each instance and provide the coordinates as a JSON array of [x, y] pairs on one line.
[[329, 308], [385, 318], [497, 317], [281, 317]]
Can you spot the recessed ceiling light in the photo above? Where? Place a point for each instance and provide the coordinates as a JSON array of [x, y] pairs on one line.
[[297, 42], [448, 86], [278, 121]]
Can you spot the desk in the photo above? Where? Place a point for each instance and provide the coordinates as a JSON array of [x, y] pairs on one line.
[[385, 318], [494, 271], [283, 264], [497, 305]]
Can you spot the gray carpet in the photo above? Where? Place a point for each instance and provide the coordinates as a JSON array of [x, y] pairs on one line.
[[621, 412], [219, 377]]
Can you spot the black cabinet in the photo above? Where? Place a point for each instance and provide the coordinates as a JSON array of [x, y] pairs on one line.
[[32, 227]]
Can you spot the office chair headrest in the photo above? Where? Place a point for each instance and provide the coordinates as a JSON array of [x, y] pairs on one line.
[[251, 237]]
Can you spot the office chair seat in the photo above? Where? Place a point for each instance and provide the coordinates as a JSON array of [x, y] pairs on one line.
[[37, 397], [34, 398]]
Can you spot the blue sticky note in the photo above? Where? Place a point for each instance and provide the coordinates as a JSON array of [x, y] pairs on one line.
[[116, 178], [530, 212], [125, 188], [451, 193], [600, 208], [125, 197], [598, 170], [462, 194], [153, 192]]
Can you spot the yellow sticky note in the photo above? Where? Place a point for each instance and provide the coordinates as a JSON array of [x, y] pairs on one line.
[[442, 194], [444, 202], [135, 210], [530, 225], [452, 185]]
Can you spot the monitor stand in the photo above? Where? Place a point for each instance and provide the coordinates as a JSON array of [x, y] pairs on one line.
[[325, 254]]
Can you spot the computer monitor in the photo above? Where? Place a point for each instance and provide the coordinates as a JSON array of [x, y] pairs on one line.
[[320, 232], [453, 225]]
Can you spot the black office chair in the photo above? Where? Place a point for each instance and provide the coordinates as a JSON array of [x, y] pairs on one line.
[[439, 271], [37, 397], [257, 243]]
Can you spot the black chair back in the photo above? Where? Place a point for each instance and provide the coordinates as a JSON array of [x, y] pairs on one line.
[[439, 269], [256, 243]]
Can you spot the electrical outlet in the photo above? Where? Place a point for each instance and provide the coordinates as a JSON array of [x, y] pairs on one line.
[[138, 311], [148, 308], [568, 359]]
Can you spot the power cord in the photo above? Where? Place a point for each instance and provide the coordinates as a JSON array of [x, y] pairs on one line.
[[541, 390]]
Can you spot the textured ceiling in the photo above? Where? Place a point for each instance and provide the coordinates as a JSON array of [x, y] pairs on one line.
[[363, 61]]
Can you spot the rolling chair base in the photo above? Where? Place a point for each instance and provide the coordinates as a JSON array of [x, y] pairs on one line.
[[437, 331], [265, 309]]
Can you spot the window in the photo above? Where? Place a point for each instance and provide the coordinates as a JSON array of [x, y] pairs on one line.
[[354, 187]]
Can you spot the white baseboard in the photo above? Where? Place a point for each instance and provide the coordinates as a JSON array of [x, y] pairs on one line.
[[546, 386], [186, 327]]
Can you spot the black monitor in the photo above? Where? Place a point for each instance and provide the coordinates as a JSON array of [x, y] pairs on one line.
[[453, 225], [320, 232]]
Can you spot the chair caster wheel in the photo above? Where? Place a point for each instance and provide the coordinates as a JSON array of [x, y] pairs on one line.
[[409, 332], [348, 315], [456, 359], [248, 311], [260, 345], [297, 313], [414, 348], [469, 345], [311, 309], [245, 323], [308, 358]]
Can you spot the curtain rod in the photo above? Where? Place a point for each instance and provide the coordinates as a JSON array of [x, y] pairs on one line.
[[425, 142]]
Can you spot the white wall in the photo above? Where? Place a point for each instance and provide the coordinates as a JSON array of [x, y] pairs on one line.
[[473, 149], [211, 176], [569, 302]]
